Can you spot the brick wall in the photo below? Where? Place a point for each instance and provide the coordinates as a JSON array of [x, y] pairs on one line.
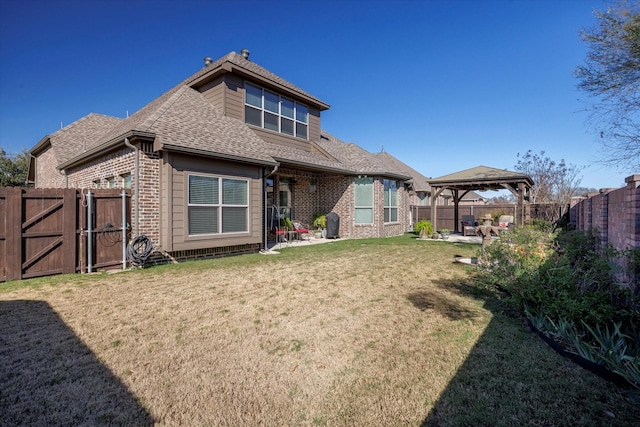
[[614, 213], [47, 174], [115, 165]]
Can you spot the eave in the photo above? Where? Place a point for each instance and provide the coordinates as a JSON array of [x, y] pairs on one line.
[[217, 155], [105, 147], [41, 145], [228, 67]]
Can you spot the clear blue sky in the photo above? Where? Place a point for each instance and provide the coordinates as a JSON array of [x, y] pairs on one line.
[[442, 85]]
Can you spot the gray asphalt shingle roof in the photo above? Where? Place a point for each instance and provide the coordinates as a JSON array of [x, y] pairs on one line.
[[183, 119], [239, 61], [480, 173], [80, 135]]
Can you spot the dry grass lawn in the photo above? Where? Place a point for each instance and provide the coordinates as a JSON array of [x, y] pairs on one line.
[[351, 333]]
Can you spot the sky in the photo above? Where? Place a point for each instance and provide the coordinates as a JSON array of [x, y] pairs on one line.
[[441, 85]]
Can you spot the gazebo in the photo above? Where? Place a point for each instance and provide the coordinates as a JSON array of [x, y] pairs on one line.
[[484, 178]]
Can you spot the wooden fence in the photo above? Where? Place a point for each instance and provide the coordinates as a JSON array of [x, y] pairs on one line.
[[445, 214], [46, 231]]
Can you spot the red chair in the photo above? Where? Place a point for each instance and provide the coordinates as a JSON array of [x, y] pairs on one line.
[[300, 230], [281, 236]]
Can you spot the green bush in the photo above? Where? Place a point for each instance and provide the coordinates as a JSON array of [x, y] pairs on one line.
[[573, 287], [542, 225], [319, 221], [424, 228]]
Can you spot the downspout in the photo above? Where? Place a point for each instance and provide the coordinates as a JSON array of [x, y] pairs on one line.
[[264, 203], [136, 173]]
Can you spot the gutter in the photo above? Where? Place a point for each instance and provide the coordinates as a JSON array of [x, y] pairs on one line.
[[106, 146], [207, 153], [136, 172]]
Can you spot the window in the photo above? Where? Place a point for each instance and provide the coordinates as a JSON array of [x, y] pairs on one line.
[[126, 180], [111, 182], [269, 110], [217, 205], [97, 183], [390, 201], [364, 200]]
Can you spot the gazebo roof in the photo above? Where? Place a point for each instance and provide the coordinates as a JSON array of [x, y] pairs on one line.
[[482, 178]]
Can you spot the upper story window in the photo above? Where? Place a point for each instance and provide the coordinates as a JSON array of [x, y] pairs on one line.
[[271, 111], [390, 200]]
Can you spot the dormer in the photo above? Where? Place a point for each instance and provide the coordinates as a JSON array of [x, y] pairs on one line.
[[278, 111]]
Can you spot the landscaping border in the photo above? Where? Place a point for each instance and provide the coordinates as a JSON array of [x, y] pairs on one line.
[[597, 369]]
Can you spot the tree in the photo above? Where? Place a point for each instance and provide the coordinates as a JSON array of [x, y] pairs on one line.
[[554, 183], [611, 74], [13, 169]]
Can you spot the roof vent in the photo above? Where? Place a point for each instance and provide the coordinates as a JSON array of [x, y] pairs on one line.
[[245, 53], [207, 61]]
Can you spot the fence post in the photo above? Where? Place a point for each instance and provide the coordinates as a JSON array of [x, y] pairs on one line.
[[69, 238], [124, 230], [14, 233], [89, 235]]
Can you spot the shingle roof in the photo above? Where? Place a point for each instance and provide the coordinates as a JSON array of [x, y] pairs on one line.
[[241, 62], [480, 173], [79, 135], [187, 120], [183, 119], [360, 160], [419, 181]]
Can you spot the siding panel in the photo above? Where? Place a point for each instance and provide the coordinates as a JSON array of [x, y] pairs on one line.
[[182, 166], [214, 91], [234, 97]]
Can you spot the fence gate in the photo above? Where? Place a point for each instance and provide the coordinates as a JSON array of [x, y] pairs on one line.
[[41, 231]]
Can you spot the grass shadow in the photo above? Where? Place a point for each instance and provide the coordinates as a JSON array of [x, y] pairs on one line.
[[511, 377], [428, 300], [50, 377]]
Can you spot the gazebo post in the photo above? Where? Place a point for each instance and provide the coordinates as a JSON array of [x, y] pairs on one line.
[[521, 213], [456, 205], [434, 206]]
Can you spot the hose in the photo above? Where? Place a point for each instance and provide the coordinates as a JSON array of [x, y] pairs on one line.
[[138, 250]]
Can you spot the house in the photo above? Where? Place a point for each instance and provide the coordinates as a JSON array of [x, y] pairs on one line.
[[213, 162], [473, 198]]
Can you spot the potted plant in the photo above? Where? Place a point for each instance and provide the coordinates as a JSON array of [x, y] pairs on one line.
[[424, 228], [320, 222], [445, 232]]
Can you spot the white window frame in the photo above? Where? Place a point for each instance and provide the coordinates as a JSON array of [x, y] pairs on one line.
[[218, 205], [370, 181], [297, 119], [388, 206]]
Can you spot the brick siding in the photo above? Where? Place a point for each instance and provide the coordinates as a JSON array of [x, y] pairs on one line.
[[614, 213], [120, 163], [335, 193], [47, 174]]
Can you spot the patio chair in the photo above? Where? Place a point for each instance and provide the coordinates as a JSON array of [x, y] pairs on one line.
[[505, 222], [300, 230], [468, 225], [281, 235]]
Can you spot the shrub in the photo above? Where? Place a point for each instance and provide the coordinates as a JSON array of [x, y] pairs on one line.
[[319, 221], [424, 228], [573, 287]]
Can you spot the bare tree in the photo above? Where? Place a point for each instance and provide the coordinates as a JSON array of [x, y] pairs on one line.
[[611, 74], [555, 183]]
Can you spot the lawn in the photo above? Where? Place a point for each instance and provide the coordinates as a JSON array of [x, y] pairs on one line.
[[377, 332]]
